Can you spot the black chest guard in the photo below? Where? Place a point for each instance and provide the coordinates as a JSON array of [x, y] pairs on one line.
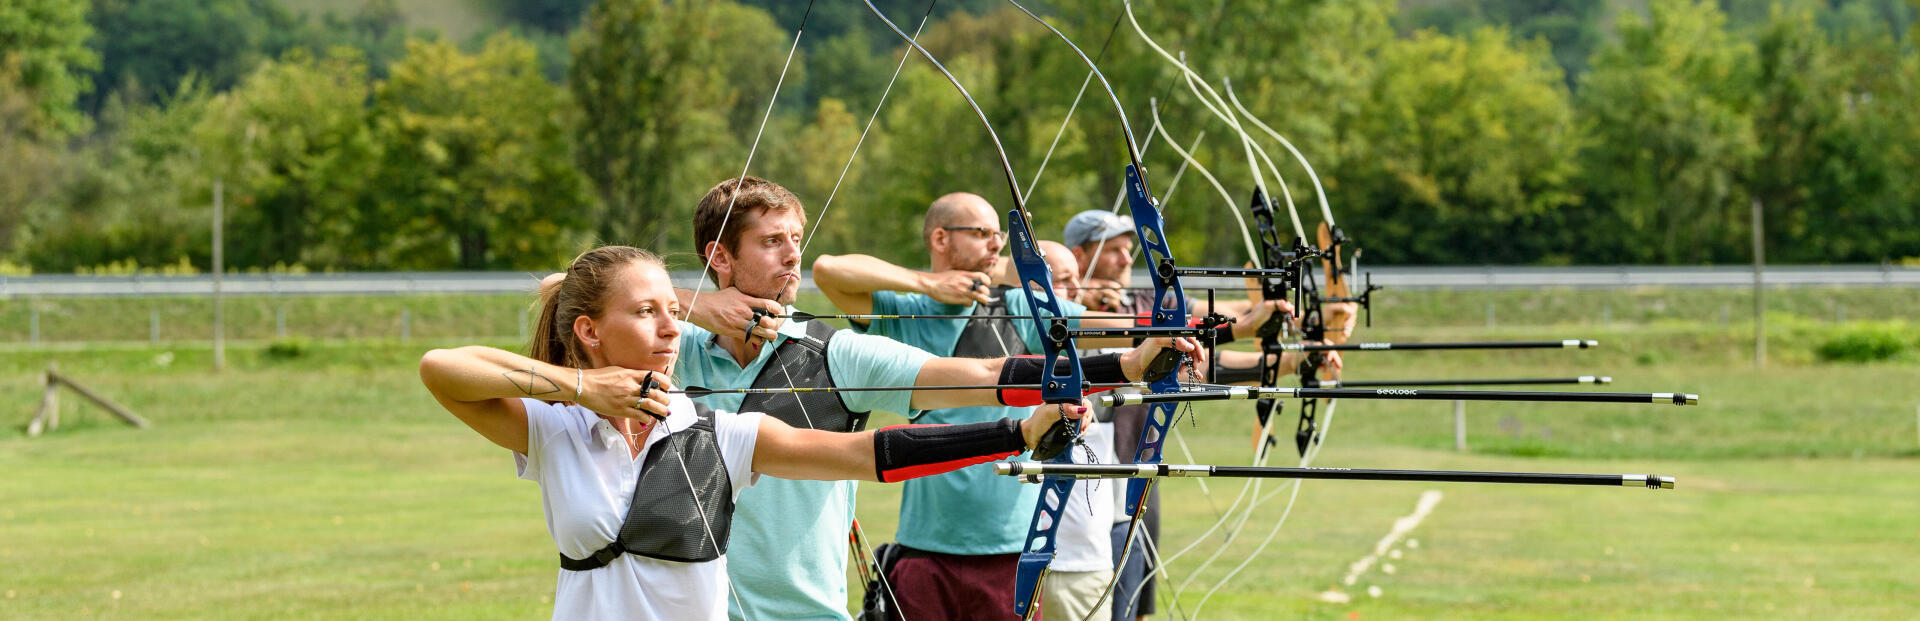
[[991, 339], [682, 506], [802, 363]]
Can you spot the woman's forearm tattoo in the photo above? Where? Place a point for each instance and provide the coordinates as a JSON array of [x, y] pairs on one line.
[[531, 382]]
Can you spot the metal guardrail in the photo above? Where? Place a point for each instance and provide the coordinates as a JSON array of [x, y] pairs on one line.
[[1489, 277]]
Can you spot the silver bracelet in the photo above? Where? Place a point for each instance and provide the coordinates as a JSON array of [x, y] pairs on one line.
[[579, 381]]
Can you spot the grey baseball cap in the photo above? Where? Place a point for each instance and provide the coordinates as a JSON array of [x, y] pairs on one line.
[[1095, 225]]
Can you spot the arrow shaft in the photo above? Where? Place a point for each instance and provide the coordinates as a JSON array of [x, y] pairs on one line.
[[1211, 394], [1517, 381], [1561, 344], [701, 391], [1033, 470]]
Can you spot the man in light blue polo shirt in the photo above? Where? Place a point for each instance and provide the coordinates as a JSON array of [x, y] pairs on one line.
[[787, 550], [787, 532], [963, 530]]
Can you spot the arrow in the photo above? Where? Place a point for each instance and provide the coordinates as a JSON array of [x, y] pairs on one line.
[[1261, 392], [1584, 379], [702, 391], [1033, 471], [1563, 344]]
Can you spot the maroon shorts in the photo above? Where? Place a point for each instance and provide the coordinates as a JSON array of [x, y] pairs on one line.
[[943, 587]]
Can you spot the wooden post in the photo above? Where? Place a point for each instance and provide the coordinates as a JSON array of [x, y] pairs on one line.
[[33, 324], [1489, 315], [1460, 426], [219, 326], [406, 324], [153, 326], [107, 404], [48, 416], [280, 321]]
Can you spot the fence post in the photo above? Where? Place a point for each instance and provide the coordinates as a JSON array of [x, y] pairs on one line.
[[280, 321], [153, 326], [1840, 314], [1490, 322], [219, 320], [523, 323], [406, 324], [1460, 426], [1759, 289], [33, 325], [1606, 314]]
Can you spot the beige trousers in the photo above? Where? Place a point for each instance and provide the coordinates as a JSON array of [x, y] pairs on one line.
[[1070, 595]]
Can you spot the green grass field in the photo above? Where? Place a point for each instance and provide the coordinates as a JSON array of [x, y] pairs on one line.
[[322, 482]]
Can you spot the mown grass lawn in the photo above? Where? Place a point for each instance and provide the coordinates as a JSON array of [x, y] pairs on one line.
[[327, 485]]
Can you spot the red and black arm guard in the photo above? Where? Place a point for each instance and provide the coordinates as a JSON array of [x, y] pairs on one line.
[[902, 452], [1028, 371]]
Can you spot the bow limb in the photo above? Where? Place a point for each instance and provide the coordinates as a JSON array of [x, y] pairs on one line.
[[1211, 103], [1255, 154], [1169, 310], [1061, 383], [1319, 192], [1246, 235]]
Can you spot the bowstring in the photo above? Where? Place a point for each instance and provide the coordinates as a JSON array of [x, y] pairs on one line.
[[754, 147], [879, 572]]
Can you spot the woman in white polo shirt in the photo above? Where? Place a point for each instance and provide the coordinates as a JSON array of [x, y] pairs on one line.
[[638, 483]]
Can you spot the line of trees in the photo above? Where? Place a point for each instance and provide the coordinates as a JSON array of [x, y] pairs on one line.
[[1465, 131]]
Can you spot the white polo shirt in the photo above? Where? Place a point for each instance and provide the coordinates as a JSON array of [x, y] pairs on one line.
[[586, 484]]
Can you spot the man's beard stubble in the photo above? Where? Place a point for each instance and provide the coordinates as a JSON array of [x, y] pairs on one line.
[[981, 264]]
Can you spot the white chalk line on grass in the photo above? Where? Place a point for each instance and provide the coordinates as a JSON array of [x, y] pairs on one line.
[[1401, 527]]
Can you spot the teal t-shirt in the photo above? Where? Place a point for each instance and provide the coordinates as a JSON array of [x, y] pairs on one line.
[[787, 554], [944, 513]]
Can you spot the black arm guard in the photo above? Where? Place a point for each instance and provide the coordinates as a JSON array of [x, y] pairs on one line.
[[904, 452], [1231, 375]]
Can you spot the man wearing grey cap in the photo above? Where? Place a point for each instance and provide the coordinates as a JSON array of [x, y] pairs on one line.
[[1103, 241]]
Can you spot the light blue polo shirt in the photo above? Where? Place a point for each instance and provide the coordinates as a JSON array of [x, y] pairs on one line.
[[970, 511], [787, 554]]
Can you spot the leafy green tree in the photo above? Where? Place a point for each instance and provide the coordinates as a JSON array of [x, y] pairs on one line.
[[555, 16], [123, 197], [376, 28], [29, 163], [474, 171], [1827, 173], [1467, 138], [293, 144], [1670, 108], [668, 97], [150, 45], [1571, 27], [43, 44]]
